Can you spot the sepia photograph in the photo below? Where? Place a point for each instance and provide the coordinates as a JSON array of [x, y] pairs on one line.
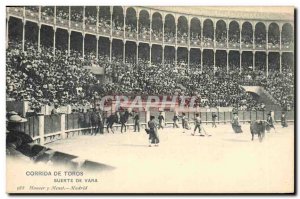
[[150, 99]]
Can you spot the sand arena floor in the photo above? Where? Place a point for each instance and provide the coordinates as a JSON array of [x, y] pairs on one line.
[[222, 162]]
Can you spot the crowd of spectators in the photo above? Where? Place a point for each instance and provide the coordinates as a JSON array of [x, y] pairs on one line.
[[45, 79]]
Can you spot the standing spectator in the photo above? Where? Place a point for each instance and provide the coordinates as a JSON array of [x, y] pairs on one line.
[[88, 118], [197, 124], [184, 122], [81, 118], [153, 133], [214, 117], [100, 122], [54, 110], [270, 123], [283, 120], [160, 120], [175, 120], [94, 121], [136, 122]]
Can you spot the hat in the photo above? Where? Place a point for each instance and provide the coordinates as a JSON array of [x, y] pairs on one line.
[[17, 119], [12, 113]]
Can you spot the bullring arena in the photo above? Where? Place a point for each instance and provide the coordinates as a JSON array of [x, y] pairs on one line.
[[62, 60]]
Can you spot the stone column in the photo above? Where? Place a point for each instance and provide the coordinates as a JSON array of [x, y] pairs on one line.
[[124, 50], [267, 63], [97, 22], [189, 57], [137, 53], [176, 55], [202, 37], [111, 21], [241, 28], [163, 55], [201, 50], [163, 30], [137, 27], [215, 53], [150, 58], [176, 30], [280, 62], [7, 26], [227, 61], [54, 40], [253, 61], [241, 53], [214, 27], [227, 43], [83, 20], [253, 39], [150, 16], [39, 37], [280, 33], [69, 42], [83, 44], [97, 46], [110, 49], [23, 36], [124, 24], [267, 39]]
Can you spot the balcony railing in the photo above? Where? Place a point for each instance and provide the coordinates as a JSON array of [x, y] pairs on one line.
[[144, 36], [273, 46], [130, 35], [30, 14], [105, 30], [118, 33], [195, 42], [234, 45], [247, 45], [47, 19], [169, 40], [260, 46], [221, 44], [62, 22], [156, 38], [76, 25], [91, 28], [18, 11], [182, 41]]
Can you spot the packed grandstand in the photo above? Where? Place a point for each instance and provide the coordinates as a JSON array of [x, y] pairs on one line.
[[48, 67]]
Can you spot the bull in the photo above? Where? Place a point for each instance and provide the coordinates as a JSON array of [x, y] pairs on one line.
[[258, 128]]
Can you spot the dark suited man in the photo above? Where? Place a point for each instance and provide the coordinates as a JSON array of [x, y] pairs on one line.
[[160, 121], [94, 122], [136, 122], [100, 123]]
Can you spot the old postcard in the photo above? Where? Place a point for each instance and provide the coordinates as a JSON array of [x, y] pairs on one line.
[[135, 99]]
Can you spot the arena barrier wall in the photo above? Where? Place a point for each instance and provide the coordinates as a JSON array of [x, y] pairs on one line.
[[49, 128]]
